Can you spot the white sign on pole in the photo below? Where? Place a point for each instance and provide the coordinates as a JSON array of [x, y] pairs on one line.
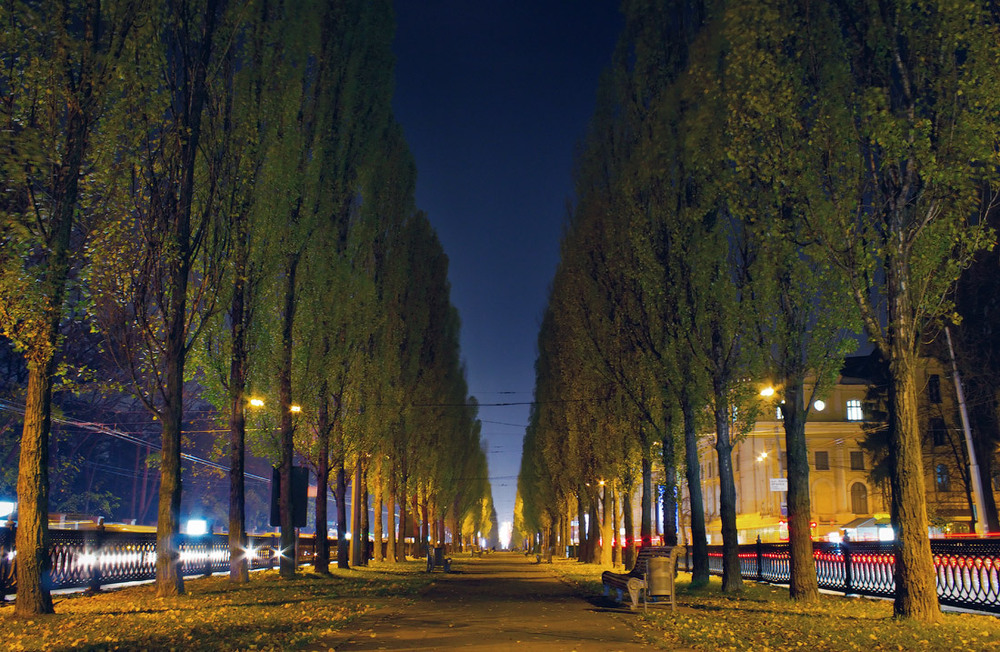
[[779, 484]]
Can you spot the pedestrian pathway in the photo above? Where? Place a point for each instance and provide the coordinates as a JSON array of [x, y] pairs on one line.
[[502, 601]]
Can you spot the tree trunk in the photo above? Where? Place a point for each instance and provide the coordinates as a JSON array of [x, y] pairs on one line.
[[628, 556], [916, 589], [607, 527], [169, 579], [732, 579], [669, 484], [321, 562], [583, 546], [984, 453], [403, 525], [343, 544], [616, 552], [419, 526], [193, 93], [239, 567], [33, 595], [594, 536], [424, 523], [390, 527], [699, 544], [287, 562], [145, 499], [357, 540], [803, 585], [377, 525], [646, 524], [456, 526], [366, 528]]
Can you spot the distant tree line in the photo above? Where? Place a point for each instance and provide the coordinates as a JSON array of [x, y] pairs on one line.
[[759, 182], [216, 196]]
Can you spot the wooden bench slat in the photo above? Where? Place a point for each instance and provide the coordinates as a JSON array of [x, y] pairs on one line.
[[635, 580]]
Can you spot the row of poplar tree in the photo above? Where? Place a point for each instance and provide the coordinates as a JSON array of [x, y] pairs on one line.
[[220, 192], [760, 182]]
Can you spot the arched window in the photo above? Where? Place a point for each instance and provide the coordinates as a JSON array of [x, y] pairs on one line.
[[942, 478], [859, 498]]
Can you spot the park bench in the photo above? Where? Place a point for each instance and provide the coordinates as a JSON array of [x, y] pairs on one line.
[[436, 559], [648, 580]]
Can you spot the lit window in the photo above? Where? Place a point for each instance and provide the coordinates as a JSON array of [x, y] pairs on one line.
[[854, 412], [822, 461], [857, 461], [942, 478]]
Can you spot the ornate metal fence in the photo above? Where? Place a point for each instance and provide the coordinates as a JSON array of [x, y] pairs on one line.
[[968, 571], [94, 558]]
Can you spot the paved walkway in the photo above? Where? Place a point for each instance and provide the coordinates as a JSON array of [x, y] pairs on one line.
[[499, 602]]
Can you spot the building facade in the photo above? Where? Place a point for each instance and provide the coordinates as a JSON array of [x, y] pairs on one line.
[[843, 496]]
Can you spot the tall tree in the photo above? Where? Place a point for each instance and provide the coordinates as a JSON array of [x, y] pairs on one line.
[[58, 74], [343, 101], [923, 98], [777, 63], [154, 299]]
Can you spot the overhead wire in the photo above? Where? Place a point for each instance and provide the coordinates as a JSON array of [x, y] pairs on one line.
[[111, 432]]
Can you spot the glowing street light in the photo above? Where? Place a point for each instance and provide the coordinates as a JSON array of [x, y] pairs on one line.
[[296, 408], [767, 391], [819, 405], [197, 526], [256, 402]]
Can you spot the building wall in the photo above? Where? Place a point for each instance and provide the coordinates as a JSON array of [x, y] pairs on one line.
[[840, 488]]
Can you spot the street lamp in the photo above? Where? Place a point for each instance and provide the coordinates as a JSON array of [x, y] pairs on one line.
[[256, 402]]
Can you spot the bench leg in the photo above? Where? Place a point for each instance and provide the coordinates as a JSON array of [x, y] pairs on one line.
[[634, 595], [635, 589]]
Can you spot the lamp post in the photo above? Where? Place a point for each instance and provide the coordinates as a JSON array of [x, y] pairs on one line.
[[974, 477]]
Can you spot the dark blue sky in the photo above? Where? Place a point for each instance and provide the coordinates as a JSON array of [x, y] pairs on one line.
[[494, 97]]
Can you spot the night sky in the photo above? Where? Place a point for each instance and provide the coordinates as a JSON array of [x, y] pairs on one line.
[[494, 98]]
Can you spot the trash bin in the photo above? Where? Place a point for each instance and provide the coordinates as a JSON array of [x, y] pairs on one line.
[[660, 579]]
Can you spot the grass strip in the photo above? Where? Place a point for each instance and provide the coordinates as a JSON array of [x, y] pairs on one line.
[[763, 618], [267, 614]]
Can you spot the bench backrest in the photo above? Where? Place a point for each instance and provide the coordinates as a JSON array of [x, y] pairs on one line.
[[648, 552]]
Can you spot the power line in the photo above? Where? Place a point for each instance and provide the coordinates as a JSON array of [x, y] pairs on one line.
[[104, 430], [501, 423], [598, 399]]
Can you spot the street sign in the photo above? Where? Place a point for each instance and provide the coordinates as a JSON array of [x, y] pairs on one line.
[[779, 484]]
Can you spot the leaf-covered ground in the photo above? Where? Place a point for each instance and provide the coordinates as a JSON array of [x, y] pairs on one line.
[[763, 618], [266, 614], [311, 612]]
